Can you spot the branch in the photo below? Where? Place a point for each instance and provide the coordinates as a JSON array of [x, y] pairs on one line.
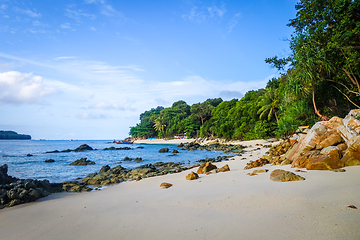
[[356, 93], [346, 97], [354, 80]]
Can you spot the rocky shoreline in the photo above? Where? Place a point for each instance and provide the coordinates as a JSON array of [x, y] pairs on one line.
[[328, 145], [14, 191]]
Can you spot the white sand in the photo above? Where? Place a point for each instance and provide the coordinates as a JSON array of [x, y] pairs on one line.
[[230, 205]]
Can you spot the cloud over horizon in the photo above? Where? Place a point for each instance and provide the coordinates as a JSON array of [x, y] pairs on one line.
[[22, 88]]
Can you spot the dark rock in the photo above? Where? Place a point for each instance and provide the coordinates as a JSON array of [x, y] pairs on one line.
[[175, 151], [67, 150], [127, 159], [56, 151], [114, 148], [140, 147], [104, 169], [163, 150], [50, 161], [82, 161], [83, 147], [29, 155], [138, 160]]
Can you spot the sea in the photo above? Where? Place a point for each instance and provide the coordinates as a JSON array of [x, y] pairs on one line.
[[26, 158]]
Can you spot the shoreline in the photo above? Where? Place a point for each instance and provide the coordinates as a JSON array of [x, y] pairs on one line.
[[178, 141], [215, 206]]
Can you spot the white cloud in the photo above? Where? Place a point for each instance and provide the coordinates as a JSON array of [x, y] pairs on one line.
[[3, 6], [78, 14], [200, 14], [215, 11], [195, 15], [28, 12], [65, 26], [92, 29], [65, 57], [90, 116], [110, 106], [22, 88], [234, 21]]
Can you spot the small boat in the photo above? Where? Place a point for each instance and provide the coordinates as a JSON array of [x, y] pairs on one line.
[[123, 142]]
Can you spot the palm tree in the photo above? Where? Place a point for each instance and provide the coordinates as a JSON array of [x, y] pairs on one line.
[[268, 105]]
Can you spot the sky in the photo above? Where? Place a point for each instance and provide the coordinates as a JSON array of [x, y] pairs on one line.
[[86, 69]]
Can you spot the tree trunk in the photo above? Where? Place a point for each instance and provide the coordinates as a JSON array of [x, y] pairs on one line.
[[322, 118]]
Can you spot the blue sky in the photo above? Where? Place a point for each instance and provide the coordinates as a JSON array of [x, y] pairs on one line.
[[86, 69]]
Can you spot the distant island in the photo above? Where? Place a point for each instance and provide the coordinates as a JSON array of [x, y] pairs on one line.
[[11, 135]]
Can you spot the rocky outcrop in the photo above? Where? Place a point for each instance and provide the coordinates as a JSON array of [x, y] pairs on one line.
[[83, 147], [258, 163], [329, 144], [279, 175], [225, 168], [82, 161], [192, 146], [14, 191], [50, 160], [163, 150], [206, 167], [192, 176]]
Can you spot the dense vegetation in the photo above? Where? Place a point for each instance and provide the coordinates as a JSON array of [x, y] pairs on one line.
[[318, 80], [11, 135]]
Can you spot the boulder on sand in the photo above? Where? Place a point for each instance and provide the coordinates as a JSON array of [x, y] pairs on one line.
[[192, 176], [206, 167], [279, 175]]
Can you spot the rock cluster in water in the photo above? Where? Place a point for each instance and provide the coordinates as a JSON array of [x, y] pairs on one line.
[[119, 174], [82, 161], [81, 148], [14, 191], [192, 146]]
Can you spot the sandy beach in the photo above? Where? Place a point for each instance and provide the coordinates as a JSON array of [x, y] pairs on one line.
[[229, 205]]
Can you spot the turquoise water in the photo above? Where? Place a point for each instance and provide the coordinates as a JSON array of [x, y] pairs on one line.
[[14, 154]]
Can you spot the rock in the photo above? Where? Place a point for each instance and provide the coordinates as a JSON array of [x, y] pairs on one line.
[[225, 168], [260, 171], [175, 151], [29, 155], [82, 161], [49, 160], [212, 171], [205, 167], [192, 176], [279, 175], [339, 170], [258, 163], [352, 153], [329, 160], [165, 185], [138, 178], [163, 150], [286, 162], [104, 169], [83, 147], [127, 159], [138, 160]]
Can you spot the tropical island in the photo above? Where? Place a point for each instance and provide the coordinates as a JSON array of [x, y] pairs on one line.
[[11, 135], [318, 80]]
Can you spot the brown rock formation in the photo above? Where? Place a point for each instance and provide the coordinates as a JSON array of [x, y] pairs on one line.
[[205, 167], [225, 168], [192, 176], [279, 175]]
